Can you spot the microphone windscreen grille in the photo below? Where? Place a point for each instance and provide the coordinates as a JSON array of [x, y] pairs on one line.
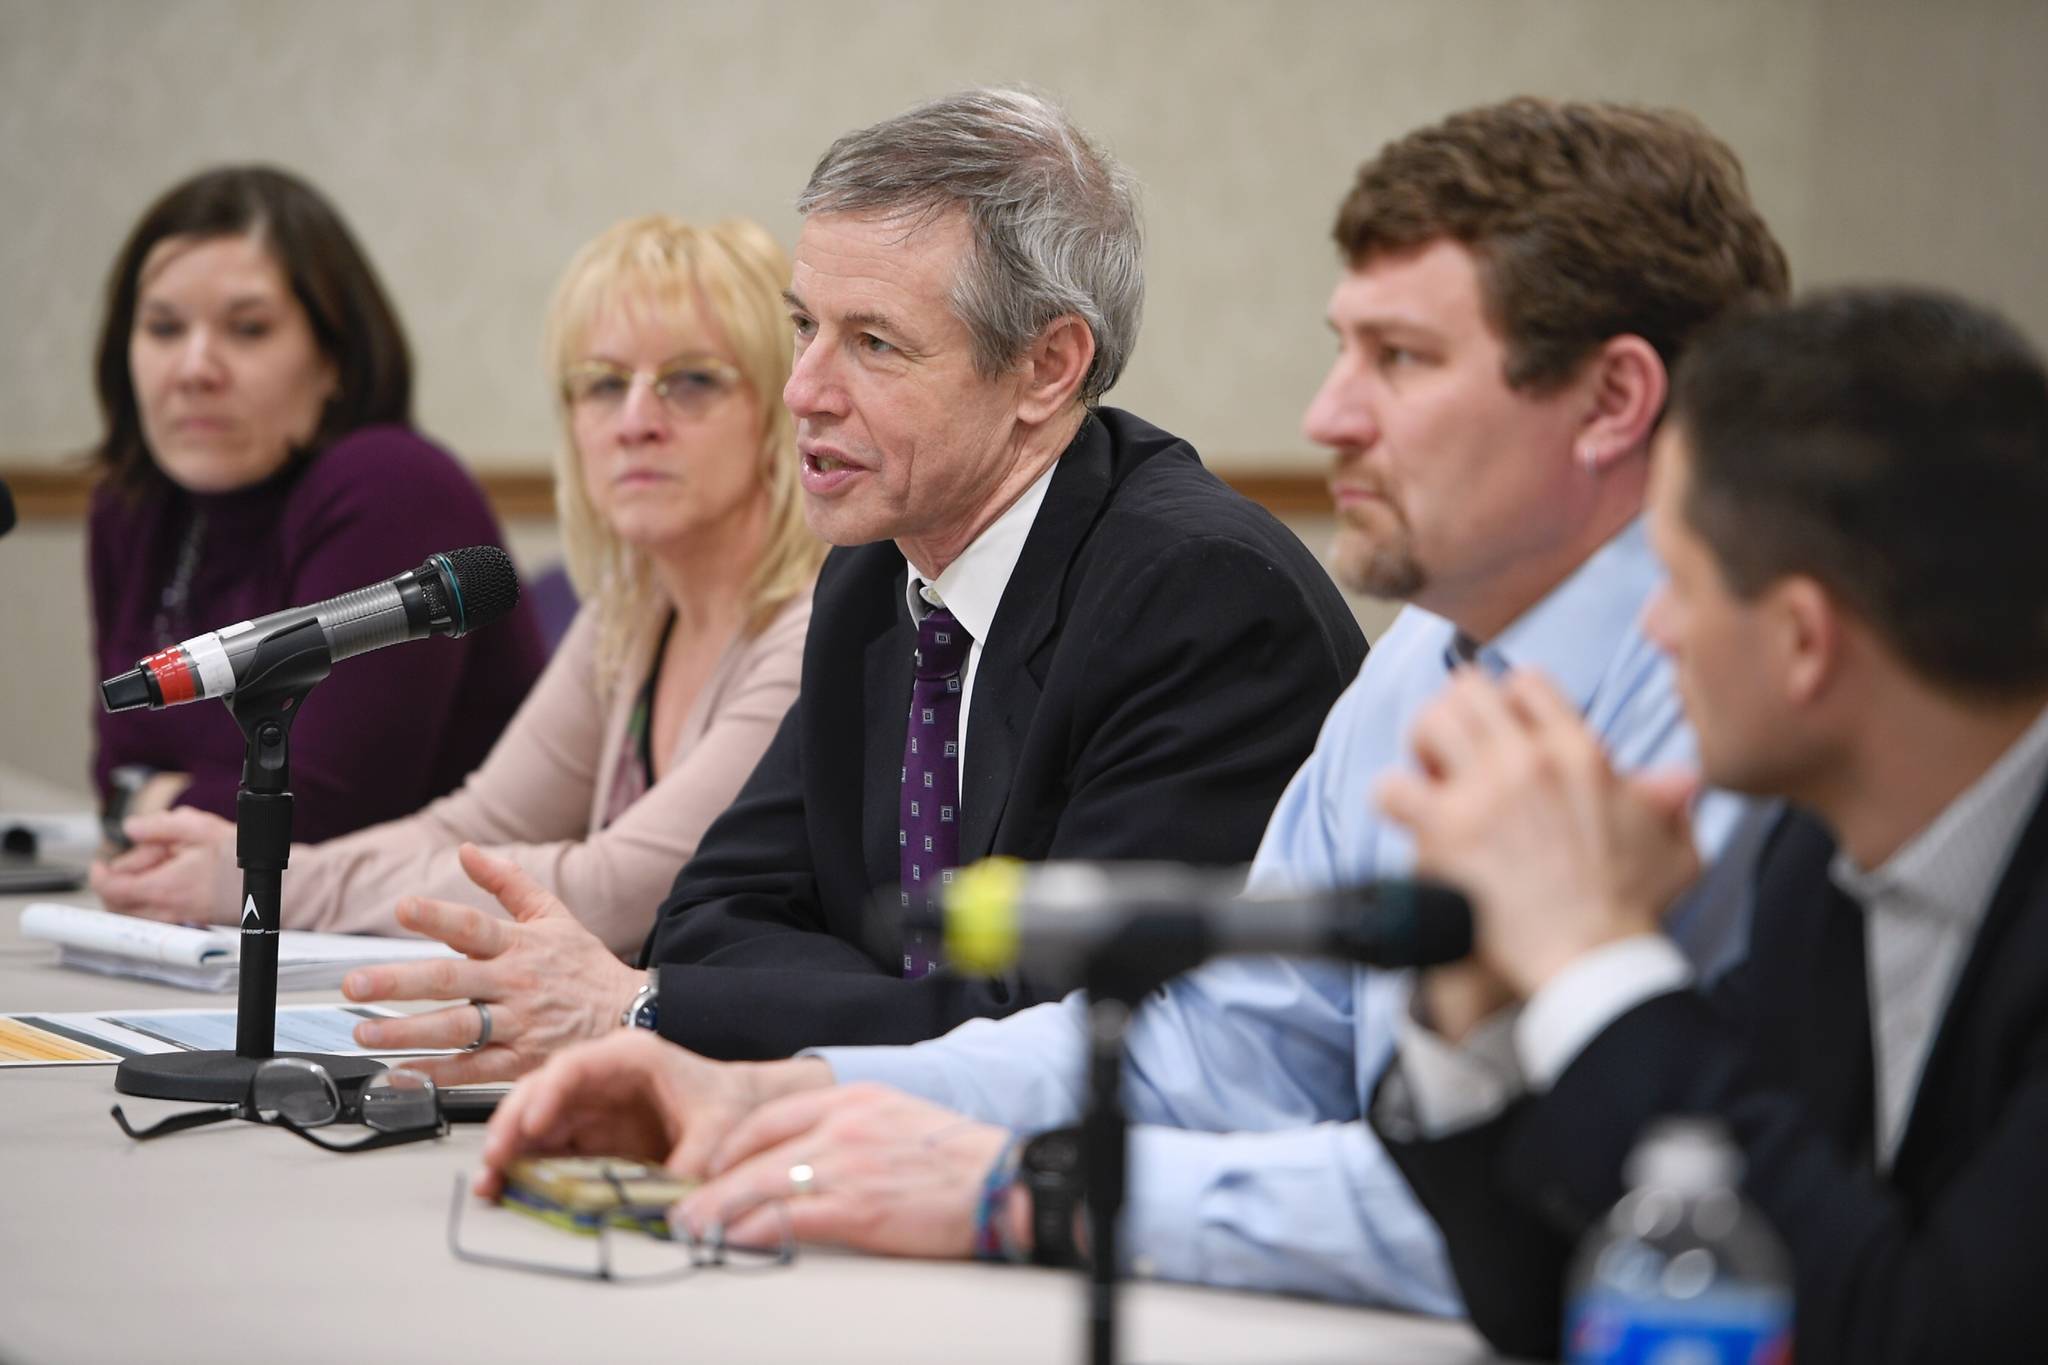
[[487, 581]]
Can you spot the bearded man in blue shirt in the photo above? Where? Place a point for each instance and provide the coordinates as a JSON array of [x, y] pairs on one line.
[[1518, 283]]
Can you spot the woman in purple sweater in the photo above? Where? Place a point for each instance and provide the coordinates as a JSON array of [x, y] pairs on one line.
[[669, 345], [257, 393]]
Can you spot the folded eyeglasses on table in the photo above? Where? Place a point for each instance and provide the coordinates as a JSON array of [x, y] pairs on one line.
[[297, 1095], [401, 1105], [667, 1251]]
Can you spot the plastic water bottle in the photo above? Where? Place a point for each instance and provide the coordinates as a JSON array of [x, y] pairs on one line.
[[1683, 1272]]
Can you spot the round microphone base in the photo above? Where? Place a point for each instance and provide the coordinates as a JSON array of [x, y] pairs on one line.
[[223, 1077]]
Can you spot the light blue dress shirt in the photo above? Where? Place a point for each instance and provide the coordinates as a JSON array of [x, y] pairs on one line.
[[1247, 1079]]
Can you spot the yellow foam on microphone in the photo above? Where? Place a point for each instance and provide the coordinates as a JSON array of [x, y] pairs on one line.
[[981, 915]]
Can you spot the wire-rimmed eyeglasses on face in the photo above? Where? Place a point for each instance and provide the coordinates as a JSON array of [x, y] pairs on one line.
[[688, 384], [292, 1093], [683, 1253]]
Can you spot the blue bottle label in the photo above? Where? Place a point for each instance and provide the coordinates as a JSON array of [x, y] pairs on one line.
[[1750, 1326]]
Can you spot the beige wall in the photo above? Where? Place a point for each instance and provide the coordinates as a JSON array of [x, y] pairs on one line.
[[1930, 129], [475, 143]]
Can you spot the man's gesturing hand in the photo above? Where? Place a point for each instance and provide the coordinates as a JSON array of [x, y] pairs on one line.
[[548, 980]]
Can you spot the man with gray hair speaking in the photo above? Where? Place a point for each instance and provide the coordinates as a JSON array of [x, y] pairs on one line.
[[1080, 643], [1514, 283]]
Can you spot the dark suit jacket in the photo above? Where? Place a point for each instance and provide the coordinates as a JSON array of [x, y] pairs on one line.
[[1159, 666], [1934, 1260]]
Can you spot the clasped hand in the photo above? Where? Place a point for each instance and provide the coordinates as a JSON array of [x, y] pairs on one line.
[[180, 868], [1514, 802]]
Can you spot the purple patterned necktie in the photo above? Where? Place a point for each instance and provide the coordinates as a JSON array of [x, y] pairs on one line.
[[929, 810]]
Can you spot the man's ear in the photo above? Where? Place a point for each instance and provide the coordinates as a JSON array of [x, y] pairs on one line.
[[1053, 367], [1806, 636], [1625, 385]]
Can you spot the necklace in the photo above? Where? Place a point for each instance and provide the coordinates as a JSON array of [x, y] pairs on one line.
[[173, 608]]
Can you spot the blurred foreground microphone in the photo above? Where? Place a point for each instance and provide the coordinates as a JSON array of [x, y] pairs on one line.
[[1058, 921], [450, 594], [6, 509]]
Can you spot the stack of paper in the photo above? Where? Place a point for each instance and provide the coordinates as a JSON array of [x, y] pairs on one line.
[[206, 959]]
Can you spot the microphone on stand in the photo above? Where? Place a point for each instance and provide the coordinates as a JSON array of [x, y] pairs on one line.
[[262, 670], [1055, 921], [451, 594], [1121, 930]]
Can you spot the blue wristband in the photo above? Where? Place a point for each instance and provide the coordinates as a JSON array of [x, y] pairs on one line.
[[991, 1241]]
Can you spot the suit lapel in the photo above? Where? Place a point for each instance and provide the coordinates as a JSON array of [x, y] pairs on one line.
[[1941, 1099], [1842, 1055], [1813, 1008], [1007, 681], [885, 690]]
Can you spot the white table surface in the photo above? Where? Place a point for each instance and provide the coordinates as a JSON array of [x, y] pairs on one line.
[[237, 1242]]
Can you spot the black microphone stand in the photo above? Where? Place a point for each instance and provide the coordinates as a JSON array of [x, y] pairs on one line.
[[1158, 937], [285, 669], [1142, 956]]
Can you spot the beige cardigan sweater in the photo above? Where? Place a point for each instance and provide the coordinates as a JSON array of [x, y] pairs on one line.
[[540, 794]]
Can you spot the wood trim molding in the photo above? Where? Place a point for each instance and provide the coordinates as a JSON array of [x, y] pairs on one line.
[[55, 493], [520, 496], [1284, 493], [47, 494]]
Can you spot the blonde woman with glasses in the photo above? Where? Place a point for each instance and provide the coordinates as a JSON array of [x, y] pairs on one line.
[[685, 537]]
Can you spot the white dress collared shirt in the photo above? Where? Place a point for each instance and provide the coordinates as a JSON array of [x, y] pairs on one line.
[[972, 586]]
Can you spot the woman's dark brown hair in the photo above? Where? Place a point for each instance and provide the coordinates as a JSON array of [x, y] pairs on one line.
[[352, 321]]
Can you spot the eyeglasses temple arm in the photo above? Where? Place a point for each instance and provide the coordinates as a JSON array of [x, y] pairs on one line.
[[177, 1123], [370, 1143]]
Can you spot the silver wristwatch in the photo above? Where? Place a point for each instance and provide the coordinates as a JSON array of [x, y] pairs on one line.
[[645, 1011]]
